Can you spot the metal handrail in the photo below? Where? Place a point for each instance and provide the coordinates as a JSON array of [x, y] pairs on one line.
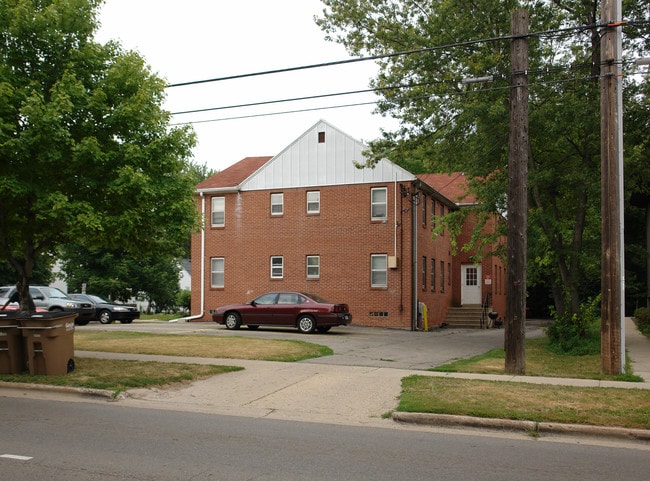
[[484, 307]]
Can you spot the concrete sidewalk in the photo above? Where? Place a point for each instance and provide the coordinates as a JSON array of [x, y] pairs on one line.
[[331, 393], [327, 390]]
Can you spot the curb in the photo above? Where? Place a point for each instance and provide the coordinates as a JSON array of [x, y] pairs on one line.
[[530, 427], [85, 391]]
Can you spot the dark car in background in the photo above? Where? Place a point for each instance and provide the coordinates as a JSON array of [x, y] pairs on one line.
[[307, 312], [106, 311], [52, 299]]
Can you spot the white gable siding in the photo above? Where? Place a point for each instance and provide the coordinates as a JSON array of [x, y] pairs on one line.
[[306, 162]]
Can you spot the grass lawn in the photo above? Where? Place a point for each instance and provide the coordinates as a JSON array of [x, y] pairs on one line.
[[118, 375], [198, 346], [540, 361], [532, 402]]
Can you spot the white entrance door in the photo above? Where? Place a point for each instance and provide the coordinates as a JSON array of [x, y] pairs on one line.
[[471, 287]]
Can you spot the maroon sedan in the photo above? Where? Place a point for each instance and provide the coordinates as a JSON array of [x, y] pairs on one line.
[[307, 312]]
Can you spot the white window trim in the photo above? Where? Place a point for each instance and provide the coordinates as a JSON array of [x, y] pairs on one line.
[[317, 210], [373, 270], [275, 267], [277, 195], [373, 203], [317, 266], [214, 209], [214, 271]]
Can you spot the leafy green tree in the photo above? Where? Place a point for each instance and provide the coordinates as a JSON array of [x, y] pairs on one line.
[[86, 151], [637, 190], [450, 125], [117, 275]]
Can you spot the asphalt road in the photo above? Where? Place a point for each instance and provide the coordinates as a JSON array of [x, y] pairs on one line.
[[91, 441]]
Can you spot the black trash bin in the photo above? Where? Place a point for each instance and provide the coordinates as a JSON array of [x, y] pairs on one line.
[[49, 342], [12, 358]]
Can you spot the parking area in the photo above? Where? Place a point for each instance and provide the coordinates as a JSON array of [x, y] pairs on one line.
[[355, 345]]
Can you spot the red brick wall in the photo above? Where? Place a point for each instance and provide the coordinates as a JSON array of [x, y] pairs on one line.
[[492, 268], [344, 237]]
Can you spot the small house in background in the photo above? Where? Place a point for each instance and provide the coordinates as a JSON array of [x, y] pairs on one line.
[[312, 219]]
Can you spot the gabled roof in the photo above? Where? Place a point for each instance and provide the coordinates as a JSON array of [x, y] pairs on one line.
[[453, 186], [323, 155], [234, 175]]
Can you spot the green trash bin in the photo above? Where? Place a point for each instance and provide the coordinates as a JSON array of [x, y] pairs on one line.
[[12, 358], [49, 342]]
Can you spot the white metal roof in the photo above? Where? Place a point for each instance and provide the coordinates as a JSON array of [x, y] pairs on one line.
[[307, 162]]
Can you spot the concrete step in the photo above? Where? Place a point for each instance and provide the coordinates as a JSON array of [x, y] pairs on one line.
[[465, 317]]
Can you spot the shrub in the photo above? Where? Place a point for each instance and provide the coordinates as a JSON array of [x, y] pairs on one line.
[[183, 300], [576, 334], [642, 316]]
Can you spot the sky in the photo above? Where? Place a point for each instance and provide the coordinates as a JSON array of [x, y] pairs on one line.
[[190, 40]]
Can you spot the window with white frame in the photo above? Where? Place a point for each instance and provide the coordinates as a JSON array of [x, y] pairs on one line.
[[313, 202], [424, 273], [277, 267], [313, 267], [217, 270], [277, 203], [433, 275], [379, 270], [218, 211], [379, 203]]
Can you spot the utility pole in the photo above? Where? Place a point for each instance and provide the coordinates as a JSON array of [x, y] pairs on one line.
[[515, 334], [612, 338]]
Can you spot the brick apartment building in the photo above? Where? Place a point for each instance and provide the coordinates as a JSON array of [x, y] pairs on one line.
[[310, 219]]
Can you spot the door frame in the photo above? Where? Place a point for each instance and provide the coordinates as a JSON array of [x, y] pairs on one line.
[[471, 294]]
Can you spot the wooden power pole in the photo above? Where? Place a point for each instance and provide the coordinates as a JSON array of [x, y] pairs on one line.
[[612, 337], [515, 334]]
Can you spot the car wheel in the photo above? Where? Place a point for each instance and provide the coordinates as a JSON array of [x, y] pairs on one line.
[[81, 323], [323, 329], [233, 320], [306, 324], [126, 321], [105, 317]]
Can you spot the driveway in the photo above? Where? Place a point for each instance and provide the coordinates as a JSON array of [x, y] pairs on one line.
[[356, 345]]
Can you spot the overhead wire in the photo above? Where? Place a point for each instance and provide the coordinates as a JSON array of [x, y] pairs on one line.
[[358, 104], [548, 70], [386, 55]]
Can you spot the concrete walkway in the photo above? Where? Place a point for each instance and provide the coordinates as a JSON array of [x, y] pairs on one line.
[[334, 390], [332, 393]]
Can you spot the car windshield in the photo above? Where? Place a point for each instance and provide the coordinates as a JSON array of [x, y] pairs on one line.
[[316, 298], [98, 300]]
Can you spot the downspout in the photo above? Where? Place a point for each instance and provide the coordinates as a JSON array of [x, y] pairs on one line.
[[414, 263], [199, 316], [395, 215]]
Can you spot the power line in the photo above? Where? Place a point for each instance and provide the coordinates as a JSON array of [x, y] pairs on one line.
[[540, 71], [270, 114], [547, 33], [359, 104]]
